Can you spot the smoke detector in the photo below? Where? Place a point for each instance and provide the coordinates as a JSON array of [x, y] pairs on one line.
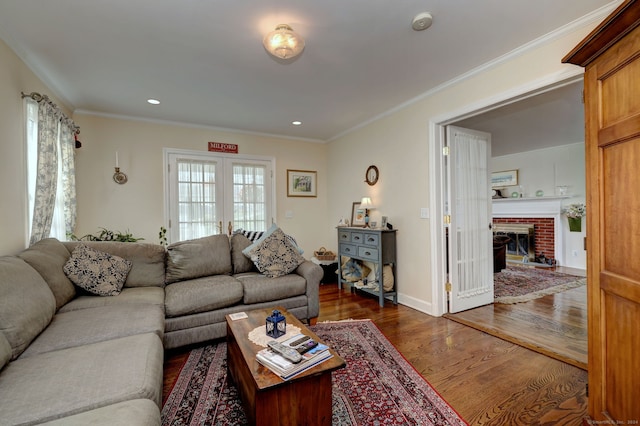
[[421, 21]]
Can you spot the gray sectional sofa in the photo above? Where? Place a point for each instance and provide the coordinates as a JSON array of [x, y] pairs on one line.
[[73, 358]]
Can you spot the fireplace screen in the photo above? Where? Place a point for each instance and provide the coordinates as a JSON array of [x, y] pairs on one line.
[[521, 243]]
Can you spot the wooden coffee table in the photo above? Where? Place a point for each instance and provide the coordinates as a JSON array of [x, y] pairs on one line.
[[267, 399]]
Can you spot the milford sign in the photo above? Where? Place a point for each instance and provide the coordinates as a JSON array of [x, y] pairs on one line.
[[223, 147]]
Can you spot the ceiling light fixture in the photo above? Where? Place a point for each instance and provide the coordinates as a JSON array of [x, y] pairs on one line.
[[153, 101], [283, 42], [296, 123]]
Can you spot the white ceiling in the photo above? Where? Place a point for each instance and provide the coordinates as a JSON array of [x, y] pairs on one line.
[[549, 119], [204, 60]]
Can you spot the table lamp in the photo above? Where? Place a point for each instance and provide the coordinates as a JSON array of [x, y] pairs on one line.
[[367, 205]]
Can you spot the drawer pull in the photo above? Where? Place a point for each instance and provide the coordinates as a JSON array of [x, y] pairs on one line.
[[368, 253], [347, 249], [356, 238], [371, 239]]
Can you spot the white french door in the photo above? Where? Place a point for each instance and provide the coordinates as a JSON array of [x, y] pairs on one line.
[[209, 193], [470, 253]]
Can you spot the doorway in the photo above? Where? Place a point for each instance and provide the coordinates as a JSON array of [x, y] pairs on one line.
[[437, 167], [439, 201]]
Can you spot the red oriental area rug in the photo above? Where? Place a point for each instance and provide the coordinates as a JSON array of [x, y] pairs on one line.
[[517, 284], [377, 387]]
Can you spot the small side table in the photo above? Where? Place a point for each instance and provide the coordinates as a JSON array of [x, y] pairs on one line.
[[374, 245], [330, 268]]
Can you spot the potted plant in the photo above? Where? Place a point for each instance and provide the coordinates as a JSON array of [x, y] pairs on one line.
[[106, 235], [574, 213]]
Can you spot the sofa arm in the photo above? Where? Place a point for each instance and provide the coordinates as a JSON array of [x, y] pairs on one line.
[[312, 273]]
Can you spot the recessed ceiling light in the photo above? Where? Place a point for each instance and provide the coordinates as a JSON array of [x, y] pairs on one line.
[[296, 123], [153, 101]]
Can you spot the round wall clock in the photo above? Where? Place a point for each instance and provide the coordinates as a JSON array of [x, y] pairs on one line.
[[371, 177]]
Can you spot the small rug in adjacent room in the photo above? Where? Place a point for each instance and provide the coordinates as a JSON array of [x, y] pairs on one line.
[[378, 386], [517, 284]]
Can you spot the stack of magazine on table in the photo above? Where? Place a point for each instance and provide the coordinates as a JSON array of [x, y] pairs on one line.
[[313, 353]]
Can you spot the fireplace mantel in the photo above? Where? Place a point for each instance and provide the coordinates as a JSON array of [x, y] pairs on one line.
[[528, 207]]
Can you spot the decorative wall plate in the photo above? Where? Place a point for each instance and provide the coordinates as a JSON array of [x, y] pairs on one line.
[[120, 178]]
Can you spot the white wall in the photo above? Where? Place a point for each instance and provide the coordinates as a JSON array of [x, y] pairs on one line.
[[399, 145], [138, 205], [544, 170]]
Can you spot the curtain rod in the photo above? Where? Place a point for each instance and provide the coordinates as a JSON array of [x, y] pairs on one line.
[[44, 98]]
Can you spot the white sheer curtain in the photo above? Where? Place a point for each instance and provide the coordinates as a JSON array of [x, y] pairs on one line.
[[51, 168], [471, 221]]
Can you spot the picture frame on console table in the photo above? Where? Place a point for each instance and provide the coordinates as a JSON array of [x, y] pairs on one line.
[[504, 178], [383, 225], [302, 183], [357, 215]]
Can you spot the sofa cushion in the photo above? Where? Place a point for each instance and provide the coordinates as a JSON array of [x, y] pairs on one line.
[[259, 288], [85, 326], [202, 294], [275, 255], [139, 412], [62, 383], [5, 351], [26, 305], [147, 260], [48, 257], [96, 271], [241, 263], [198, 258], [137, 295]]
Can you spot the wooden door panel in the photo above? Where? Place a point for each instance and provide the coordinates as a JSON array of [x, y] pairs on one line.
[[622, 367], [620, 208], [618, 99]]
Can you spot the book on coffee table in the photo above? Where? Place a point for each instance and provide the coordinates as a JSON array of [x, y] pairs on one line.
[[287, 369]]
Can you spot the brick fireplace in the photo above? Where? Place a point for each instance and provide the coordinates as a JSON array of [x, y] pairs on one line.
[[543, 213], [543, 233]]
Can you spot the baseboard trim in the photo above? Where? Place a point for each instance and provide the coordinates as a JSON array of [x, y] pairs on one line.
[[415, 303]]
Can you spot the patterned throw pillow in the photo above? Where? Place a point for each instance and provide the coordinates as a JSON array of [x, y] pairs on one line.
[[275, 256], [97, 272]]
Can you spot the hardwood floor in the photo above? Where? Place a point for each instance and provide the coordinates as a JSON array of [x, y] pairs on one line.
[[554, 325], [544, 325], [489, 381]]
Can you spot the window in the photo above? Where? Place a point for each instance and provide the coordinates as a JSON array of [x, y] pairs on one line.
[[209, 193], [58, 219]]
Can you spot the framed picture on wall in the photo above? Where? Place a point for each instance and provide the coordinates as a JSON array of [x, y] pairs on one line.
[[357, 215], [505, 178], [301, 183]]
